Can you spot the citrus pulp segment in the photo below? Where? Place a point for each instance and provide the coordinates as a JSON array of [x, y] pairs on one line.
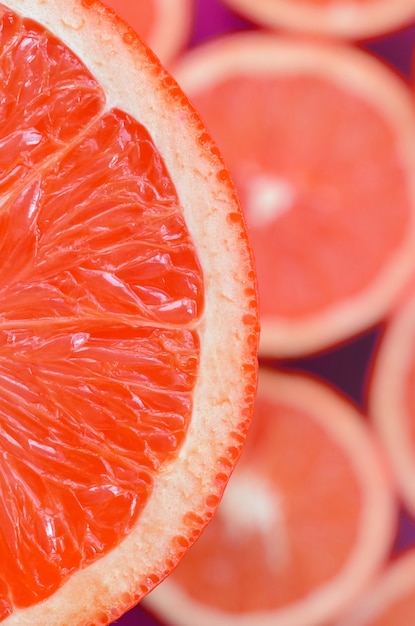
[[164, 24], [346, 19], [320, 140], [391, 395], [128, 325], [390, 599], [306, 520]]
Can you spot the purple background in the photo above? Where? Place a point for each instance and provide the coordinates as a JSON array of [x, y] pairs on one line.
[[348, 366]]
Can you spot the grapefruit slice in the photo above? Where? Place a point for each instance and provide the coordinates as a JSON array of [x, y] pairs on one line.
[[164, 24], [349, 19], [391, 395], [390, 600], [306, 520], [128, 324], [320, 140]]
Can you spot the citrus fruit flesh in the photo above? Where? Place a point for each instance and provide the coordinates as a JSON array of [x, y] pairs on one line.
[[343, 19], [391, 394], [305, 522], [390, 599], [316, 139], [163, 24], [118, 431]]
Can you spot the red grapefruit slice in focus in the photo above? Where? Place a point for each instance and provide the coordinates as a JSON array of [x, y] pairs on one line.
[[125, 280]]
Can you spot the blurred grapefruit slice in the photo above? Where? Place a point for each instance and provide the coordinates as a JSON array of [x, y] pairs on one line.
[[164, 24], [128, 318], [349, 19], [391, 394], [390, 600], [305, 522], [320, 140]]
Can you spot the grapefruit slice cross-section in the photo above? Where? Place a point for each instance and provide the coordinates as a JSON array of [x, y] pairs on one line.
[[319, 138], [119, 301]]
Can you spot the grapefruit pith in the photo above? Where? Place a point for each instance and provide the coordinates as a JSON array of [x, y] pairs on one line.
[[320, 140], [128, 323]]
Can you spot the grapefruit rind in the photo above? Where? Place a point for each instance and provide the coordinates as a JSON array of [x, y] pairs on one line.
[[170, 31], [262, 54], [189, 488], [345, 425], [351, 20]]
